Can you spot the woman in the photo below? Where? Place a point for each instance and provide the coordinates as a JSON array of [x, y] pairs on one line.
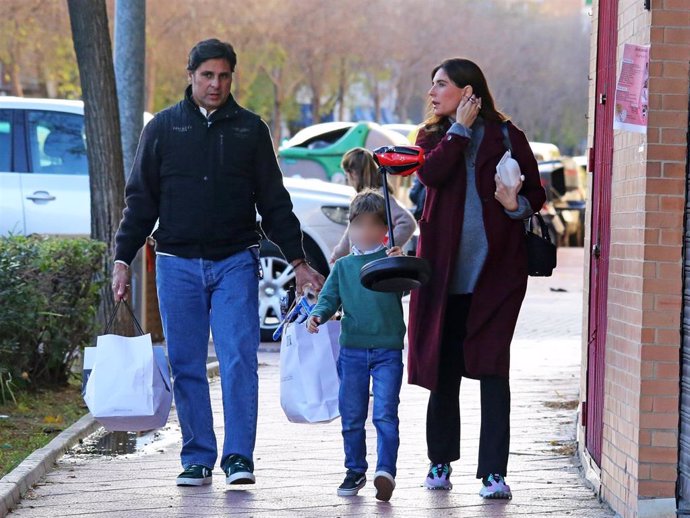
[[471, 231], [361, 173]]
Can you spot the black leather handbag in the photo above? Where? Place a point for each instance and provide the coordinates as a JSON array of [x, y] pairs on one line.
[[541, 252]]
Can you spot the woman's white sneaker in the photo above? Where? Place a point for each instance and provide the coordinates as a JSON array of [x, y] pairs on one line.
[[494, 486]]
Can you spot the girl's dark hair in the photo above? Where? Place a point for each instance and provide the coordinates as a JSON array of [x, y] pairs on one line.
[[211, 49], [463, 72], [369, 201]]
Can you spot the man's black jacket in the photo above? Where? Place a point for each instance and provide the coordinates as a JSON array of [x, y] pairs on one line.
[[203, 180]]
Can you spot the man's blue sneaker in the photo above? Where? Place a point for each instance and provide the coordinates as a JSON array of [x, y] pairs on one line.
[[239, 470], [195, 475]]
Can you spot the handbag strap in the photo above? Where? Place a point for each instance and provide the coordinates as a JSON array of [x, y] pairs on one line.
[[506, 137], [109, 325], [509, 147], [542, 224]]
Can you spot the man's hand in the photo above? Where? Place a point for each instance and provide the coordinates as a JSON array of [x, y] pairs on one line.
[[121, 277], [313, 324], [394, 252], [306, 276]]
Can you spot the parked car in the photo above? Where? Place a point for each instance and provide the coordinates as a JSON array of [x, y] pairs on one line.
[[565, 200], [44, 189], [545, 151], [316, 151], [409, 131]]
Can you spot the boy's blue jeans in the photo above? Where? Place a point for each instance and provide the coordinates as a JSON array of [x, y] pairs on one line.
[[196, 295], [355, 367]]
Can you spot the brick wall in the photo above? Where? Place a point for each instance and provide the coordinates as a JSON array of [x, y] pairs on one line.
[[639, 451], [620, 453], [664, 209]]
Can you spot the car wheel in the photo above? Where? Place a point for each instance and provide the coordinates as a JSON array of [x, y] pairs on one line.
[[278, 278]]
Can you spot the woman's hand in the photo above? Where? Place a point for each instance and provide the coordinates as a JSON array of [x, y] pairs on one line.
[[313, 324], [507, 196], [467, 111], [394, 252]]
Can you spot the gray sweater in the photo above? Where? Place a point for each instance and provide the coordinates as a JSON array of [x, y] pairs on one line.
[[473, 245]]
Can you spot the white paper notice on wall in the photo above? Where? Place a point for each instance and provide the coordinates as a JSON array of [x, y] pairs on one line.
[[632, 90]]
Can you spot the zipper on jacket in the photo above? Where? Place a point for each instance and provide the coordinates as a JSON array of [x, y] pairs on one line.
[[222, 151]]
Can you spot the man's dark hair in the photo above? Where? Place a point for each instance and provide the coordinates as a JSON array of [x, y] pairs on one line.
[[211, 49], [368, 201]]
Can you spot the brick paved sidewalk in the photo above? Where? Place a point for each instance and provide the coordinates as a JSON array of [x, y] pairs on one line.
[[300, 466]]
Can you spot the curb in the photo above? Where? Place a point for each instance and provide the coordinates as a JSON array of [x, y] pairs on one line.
[[31, 470], [17, 482]]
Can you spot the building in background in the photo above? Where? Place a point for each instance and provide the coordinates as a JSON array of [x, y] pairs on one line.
[[634, 435], [548, 7]]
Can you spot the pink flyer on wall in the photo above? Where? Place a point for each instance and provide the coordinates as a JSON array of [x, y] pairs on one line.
[[632, 90]]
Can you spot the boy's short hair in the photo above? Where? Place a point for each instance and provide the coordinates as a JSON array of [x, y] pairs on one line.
[[369, 201]]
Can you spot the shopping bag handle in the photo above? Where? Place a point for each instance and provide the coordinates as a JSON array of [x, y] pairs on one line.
[[109, 325]]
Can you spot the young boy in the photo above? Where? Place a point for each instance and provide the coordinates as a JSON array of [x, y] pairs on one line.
[[371, 342]]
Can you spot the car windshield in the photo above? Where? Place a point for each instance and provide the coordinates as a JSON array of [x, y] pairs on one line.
[[327, 134]]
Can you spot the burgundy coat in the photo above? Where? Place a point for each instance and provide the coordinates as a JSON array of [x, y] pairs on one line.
[[502, 282]]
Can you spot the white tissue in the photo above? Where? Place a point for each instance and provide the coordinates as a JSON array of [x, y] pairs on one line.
[[509, 170]]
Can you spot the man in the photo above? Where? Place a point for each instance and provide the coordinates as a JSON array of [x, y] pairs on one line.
[[202, 169]]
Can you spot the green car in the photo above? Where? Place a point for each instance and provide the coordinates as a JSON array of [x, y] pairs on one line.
[[316, 151]]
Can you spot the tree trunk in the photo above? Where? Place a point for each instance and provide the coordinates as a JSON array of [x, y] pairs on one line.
[[150, 83], [130, 56], [342, 89], [315, 104], [16, 80], [276, 117], [377, 102], [89, 20]]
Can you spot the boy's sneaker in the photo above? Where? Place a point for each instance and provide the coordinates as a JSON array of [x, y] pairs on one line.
[[352, 484], [195, 475], [494, 486], [384, 484], [239, 470], [439, 477]]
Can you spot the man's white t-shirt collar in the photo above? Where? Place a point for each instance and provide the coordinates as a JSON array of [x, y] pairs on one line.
[[205, 112]]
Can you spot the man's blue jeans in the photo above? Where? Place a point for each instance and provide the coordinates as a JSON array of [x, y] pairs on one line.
[[355, 367], [196, 295]]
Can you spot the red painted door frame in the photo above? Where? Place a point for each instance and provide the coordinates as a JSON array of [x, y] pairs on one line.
[[602, 155]]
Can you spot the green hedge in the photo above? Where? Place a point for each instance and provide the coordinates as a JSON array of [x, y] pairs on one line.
[[49, 295]]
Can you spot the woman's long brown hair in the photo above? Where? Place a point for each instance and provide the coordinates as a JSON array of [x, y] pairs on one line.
[[463, 72]]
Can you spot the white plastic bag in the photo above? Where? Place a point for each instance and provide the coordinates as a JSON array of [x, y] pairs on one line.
[[509, 170], [128, 386], [309, 381]]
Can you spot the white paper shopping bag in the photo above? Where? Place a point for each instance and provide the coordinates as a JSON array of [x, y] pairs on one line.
[[309, 381], [128, 384]]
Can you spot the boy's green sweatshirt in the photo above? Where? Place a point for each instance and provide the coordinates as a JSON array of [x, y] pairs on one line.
[[371, 319]]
